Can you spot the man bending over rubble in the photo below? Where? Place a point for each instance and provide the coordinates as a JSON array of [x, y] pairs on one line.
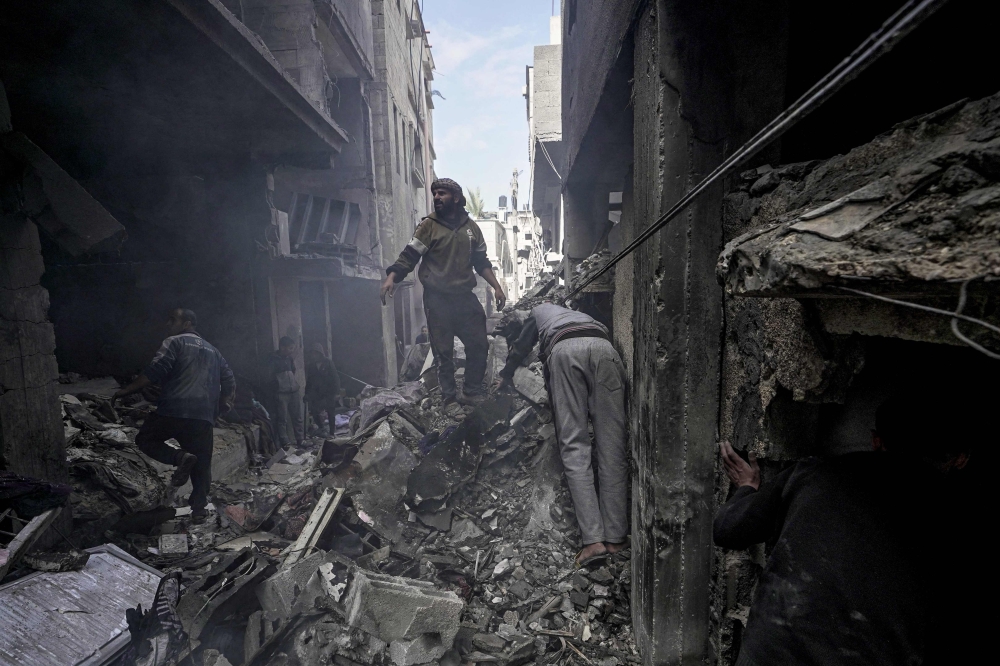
[[194, 381], [449, 245], [585, 376]]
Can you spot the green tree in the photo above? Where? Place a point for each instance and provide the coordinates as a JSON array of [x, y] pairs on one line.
[[474, 203]]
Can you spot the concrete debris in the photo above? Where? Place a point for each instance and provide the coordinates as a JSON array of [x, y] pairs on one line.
[[417, 620], [530, 383], [422, 534], [923, 219], [72, 560]]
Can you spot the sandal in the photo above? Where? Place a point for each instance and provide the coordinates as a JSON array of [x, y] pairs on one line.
[[599, 557]]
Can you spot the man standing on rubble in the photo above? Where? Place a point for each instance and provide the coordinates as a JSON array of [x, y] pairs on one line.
[[585, 377], [449, 245], [322, 387], [285, 393], [195, 381]]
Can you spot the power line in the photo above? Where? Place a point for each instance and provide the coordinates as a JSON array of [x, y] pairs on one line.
[[880, 42]]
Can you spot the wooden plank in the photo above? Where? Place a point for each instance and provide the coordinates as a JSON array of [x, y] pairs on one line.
[[25, 539], [314, 527]]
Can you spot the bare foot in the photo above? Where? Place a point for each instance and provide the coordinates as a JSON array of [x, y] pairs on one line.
[[590, 551], [614, 547]]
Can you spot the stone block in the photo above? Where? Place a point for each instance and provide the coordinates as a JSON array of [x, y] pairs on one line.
[[531, 385], [421, 650], [281, 595], [411, 614]]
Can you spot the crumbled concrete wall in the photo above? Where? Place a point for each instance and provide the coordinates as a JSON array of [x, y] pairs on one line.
[[288, 27], [31, 434], [546, 94]]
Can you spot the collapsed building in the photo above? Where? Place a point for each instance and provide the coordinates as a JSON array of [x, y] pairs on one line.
[[239, 159]]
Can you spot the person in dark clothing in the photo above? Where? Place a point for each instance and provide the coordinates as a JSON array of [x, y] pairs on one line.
[[449, 245], [286, 396], [195, 382], [585, 377], [846, 581], [422, 337], [322, 386]]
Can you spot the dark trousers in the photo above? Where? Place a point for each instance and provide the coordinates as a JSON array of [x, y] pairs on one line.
[[194, 435], [320, 403], [462, 315]]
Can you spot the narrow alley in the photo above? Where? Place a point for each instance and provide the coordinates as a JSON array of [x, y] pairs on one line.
[[291, 375]]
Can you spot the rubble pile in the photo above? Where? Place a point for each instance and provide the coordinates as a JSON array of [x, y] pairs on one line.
[[589, 267], [417, 534], [915, 209]]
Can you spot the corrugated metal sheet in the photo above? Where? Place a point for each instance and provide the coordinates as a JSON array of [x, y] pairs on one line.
[[76, 617]]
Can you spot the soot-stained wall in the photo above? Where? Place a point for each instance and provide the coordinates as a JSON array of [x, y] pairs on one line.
[[191, 244]]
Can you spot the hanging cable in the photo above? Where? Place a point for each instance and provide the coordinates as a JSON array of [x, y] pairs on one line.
[[955, 316], [880, 42]]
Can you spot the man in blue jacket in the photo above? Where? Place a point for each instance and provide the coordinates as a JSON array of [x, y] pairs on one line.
[[195, 381]]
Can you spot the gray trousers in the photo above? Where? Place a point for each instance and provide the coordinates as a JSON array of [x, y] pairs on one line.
[[288, 418], [587, 378]]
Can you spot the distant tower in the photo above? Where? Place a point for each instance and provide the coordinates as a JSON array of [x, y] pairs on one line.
[[513, 190], [503, 201]]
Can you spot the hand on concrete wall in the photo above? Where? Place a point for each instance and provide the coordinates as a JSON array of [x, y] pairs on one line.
[[740, 472]]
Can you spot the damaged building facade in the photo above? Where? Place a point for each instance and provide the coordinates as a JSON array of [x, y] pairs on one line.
[[242, 147], [754, 316]]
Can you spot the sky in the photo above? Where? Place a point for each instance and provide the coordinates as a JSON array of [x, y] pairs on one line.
[[481, 48]]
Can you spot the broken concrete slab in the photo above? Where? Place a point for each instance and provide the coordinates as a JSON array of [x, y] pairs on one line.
[[282, 595], [531, 385], [173, 544], [401, 611]]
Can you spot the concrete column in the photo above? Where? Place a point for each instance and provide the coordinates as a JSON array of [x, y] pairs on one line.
[[701, 86], [31, 433]]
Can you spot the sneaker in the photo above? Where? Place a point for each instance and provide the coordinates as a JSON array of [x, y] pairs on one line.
[[198, 516], [183, 471]]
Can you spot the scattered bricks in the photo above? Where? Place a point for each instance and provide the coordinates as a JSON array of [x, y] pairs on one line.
[[511, 617], [601, 591], [400, 611], [579, 581], [579, 599]]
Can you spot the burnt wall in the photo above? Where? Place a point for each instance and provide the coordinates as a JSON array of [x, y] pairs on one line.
[[706, 75], [191, 244], [31, 436]]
